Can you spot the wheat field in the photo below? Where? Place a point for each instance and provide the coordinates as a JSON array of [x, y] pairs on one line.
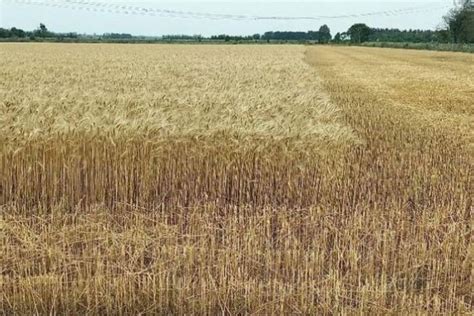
[[161, 179]]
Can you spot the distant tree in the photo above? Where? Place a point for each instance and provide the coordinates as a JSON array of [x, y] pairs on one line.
[[345, 37], [256, 37], [324, 34], [359, 33], [313, 36], [71, 35], [42, 31], [43, 28], [337, 38], [291, 36], [460, 24], [17, 32], [120, 36], [4, 33], [443, 36], [396, 35]]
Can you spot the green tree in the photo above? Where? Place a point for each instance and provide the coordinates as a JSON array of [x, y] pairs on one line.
[[324, 34], [43, 28], [460, 24], [4, 33], [359, 33], [337, 38], [42, 31], [17, 32], [443, 36]]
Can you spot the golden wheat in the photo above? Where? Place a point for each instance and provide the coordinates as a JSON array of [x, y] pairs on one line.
[[235, 180]]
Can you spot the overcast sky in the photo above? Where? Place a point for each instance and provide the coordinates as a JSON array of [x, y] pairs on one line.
[[428, 15]]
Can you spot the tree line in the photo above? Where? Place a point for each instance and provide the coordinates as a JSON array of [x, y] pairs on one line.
[[458, 27], [321, 36], [41, 32]]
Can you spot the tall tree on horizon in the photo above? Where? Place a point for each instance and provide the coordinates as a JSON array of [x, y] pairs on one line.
[[324, 34], [460, 23], [359, 33]]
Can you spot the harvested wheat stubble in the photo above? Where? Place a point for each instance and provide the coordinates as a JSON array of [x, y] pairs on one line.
[[247, 179]]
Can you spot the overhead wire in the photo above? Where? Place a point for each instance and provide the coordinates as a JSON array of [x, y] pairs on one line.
[[113, 8]]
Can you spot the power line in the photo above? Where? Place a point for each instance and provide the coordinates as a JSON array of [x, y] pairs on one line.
[[121, 9], [103, 7], [249, 17]]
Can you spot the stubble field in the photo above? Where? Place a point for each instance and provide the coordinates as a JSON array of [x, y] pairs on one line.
[[235, 179]]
